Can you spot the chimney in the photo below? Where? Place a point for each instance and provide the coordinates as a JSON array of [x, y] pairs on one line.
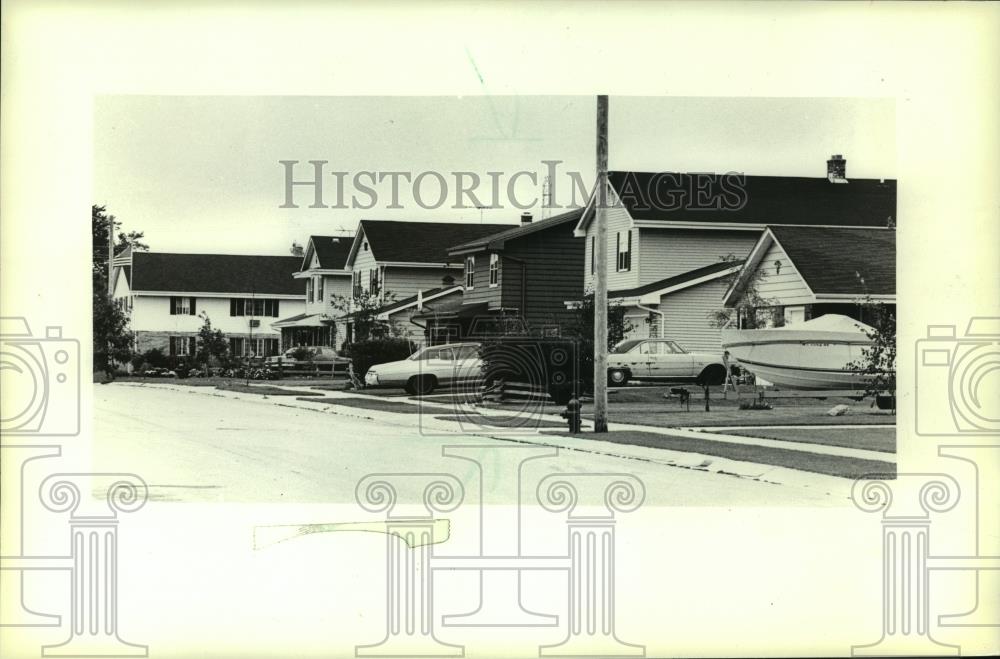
[[836, 169], [525, 218]]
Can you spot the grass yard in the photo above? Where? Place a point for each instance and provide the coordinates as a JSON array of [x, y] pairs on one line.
[[511, 421], [262, 390], [871, 439], [830, 465]]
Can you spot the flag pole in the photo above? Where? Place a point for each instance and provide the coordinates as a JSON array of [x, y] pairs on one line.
[[601, 274]]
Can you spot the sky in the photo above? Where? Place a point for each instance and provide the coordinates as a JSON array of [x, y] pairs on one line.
[[203, 173]]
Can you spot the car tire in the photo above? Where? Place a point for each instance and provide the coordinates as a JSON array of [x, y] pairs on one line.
[[422, 384], [618, 377], [712, 375]]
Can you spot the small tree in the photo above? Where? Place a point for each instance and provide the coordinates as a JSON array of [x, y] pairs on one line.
[[112, 338], [364, 310], [878, 361], [581, 328], [752, 311], [211, 342]]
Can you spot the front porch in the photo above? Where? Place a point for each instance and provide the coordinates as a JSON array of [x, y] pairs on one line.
[[309, 330]]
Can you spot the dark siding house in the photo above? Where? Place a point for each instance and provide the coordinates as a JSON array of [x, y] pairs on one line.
[[528, 272]]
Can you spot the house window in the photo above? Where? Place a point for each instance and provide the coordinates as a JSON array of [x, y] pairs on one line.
[[181, 346], [624, 251], [470, 272], [374, 281], [494, 269], [182, 306], [319, 289], [593, 254], [356, 284], [239, 306], [309, 290], [241, 347]]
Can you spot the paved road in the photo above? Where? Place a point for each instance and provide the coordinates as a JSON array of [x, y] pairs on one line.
[[195, 444]]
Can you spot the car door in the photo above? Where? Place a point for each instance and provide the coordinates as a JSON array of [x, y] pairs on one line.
[[468, 366], [668, 362], [442, 364]]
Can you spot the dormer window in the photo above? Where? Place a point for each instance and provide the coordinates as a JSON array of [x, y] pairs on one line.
[[494, 270], [470, 272]]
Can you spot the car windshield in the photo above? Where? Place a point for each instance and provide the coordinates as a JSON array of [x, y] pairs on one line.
[[625, 346]]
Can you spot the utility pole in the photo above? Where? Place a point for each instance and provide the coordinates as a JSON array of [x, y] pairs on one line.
[[601, 272], [111, 255]]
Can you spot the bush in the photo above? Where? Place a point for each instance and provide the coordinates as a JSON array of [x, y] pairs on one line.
[[365, 354], [137, 361], [303, 353], [154, 357]]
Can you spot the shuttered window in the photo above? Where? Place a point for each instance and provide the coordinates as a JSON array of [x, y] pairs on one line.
[[181, 346], [182, 306], [624, 239]]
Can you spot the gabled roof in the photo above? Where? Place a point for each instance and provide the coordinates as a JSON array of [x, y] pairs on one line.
[[216, 273], [331, 251], [496, 241], [416, 242], [736, 199], [833, 261], [683, 280], [426, 296]]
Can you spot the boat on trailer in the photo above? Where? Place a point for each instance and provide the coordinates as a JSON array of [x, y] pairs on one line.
[[810, 355]]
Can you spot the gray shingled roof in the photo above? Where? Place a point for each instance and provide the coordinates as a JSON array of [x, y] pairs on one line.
[[216, 273], [834, 260], [421, 242]]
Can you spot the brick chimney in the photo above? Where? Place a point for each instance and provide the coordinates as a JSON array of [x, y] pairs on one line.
[[525, 218], [836, 169]]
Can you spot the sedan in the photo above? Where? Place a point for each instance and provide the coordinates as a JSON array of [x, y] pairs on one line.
[[321, 357], [662, 359], [429, 368]]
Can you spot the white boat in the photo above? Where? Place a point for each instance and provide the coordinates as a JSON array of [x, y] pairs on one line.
[[808, 355]]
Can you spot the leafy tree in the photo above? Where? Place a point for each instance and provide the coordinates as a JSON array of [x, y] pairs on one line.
[[211, 343], [112, 338], [100, 220], [581, 328], [752, 311], [878, 361], [364, 310]]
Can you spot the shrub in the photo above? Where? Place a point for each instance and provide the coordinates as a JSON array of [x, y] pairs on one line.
[[154, 357], [303, 353], [137, 361], [365, 354]]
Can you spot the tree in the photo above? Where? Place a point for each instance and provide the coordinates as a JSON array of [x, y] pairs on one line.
[[581, 328], [211, 342], [752, 311], [364, 310], [112, 338], [100, 220], [878, 361]]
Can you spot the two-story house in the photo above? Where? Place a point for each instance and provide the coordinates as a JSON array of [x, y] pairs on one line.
[[805, 272], [524, 273], [326, 283], [166, 294], [406, 264], [669, 236]]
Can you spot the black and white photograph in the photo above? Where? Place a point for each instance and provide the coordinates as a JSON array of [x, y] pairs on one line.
[[500, 368]]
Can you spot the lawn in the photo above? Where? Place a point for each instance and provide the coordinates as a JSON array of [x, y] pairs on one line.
[[871, 439], [506, 421], [374, 404], [830, 465]]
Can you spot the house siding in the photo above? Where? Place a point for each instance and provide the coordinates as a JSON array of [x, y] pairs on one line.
[[481, 291], [668, 252], [151, 313], [786, 288], [553, 258], [618, 220], [404, 282], [339, 285], [686, 319]]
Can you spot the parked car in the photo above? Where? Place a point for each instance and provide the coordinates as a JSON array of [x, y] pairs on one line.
[[304, 357], [428, 368], [662, 359]]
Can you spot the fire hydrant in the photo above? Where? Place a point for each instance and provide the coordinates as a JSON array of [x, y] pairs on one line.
[[572, 415]]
